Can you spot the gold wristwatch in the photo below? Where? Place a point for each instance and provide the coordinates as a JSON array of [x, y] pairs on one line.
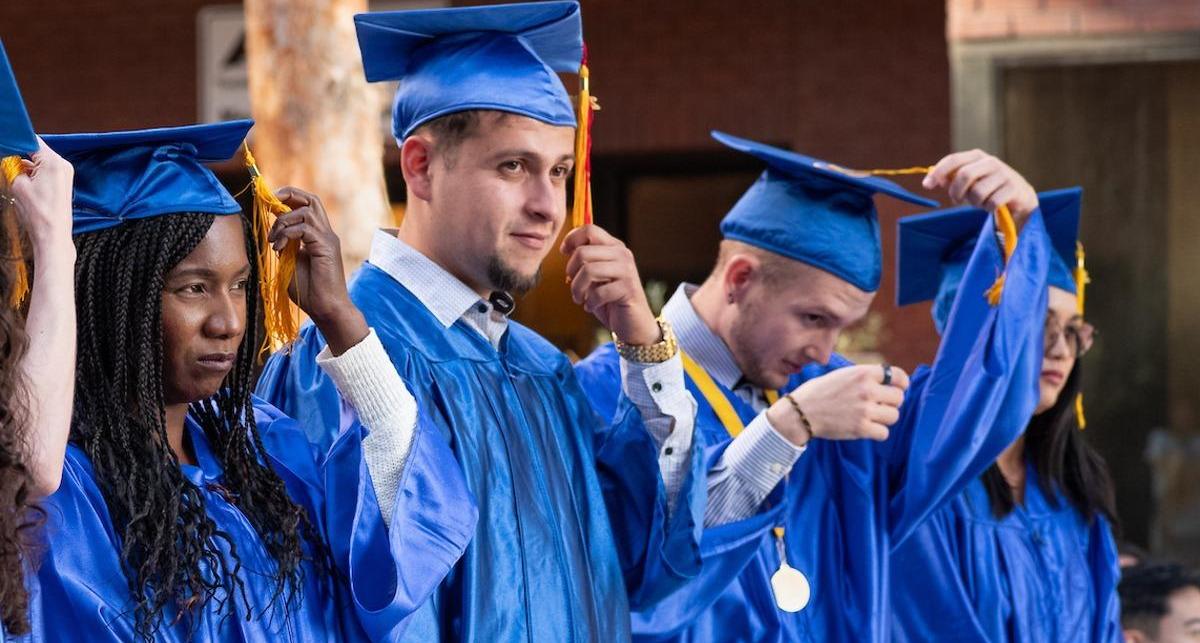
[[660, 351]]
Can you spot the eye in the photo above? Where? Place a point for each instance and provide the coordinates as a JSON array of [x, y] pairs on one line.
[[512, 167], [560, 172], [192, 289], [242, 284], [812, 319]]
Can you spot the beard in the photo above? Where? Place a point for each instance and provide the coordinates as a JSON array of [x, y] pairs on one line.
[[505, 278], [744, 345]]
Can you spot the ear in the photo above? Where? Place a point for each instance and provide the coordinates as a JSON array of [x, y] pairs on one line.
[[1135, 636], [416, 158], [740, 272]]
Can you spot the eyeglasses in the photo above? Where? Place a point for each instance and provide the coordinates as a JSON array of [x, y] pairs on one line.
[[1079, 335]]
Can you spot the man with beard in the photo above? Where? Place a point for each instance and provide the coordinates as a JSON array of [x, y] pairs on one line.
[[487, 138]]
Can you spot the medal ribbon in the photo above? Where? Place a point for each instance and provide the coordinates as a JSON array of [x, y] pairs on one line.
[[730, 419]]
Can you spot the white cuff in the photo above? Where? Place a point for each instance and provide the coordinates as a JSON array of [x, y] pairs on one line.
[[368, 381]]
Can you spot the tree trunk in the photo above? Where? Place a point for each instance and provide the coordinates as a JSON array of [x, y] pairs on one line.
[[318, 122]]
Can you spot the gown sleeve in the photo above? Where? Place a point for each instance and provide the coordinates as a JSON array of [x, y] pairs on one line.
[[982, 387], [385, 573], [659, 549], [78, 538]]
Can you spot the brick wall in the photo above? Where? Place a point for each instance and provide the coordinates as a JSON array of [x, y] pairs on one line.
[[1003, 19], [860, 82]]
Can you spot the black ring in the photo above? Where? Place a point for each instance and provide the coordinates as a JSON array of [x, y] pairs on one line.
[[887, 374]]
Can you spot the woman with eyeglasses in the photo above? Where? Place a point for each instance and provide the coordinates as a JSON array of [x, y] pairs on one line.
[[1025, 553]]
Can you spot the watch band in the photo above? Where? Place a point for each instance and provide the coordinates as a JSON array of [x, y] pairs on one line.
[[658, 352]]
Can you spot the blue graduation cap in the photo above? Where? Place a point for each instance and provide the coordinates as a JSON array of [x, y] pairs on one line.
[[933, 249], [16, 132], [123, 176], [814, 212], [498, 57]]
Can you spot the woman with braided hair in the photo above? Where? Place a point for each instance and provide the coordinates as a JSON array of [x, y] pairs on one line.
[[37, 342], [189, 509]]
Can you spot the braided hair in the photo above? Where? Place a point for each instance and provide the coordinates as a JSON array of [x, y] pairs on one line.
[[170, 547], [18, 517]]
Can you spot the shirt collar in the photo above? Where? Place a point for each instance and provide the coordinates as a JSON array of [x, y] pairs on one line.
[[698, 340], [442, 293]]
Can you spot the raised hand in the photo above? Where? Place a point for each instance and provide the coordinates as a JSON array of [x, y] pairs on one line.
[[319, 287], [42, 196], [604, 280], [984, 181]]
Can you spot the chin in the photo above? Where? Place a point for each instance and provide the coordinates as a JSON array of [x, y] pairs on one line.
[[775, 380], [1047, 398]]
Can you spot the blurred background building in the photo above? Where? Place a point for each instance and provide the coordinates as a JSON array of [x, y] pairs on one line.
[[1100, 93]]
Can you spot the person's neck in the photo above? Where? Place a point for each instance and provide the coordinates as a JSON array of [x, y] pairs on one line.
[[1012, 467], [176, 440], [423, 241], [710, 305]]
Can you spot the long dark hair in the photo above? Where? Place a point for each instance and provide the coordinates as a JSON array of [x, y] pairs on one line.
[[19, 518], [1064, 461], [169, 544]]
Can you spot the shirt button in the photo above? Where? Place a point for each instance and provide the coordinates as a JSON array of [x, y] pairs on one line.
[[481, 308], [656, 387], [777, 469], [669, 450]]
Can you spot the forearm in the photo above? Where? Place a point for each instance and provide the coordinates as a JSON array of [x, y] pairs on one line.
[[749, 469], [367, 379], [668, 413], [48, 365]]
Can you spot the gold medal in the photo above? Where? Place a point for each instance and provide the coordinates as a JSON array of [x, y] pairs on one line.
[[789, 584]]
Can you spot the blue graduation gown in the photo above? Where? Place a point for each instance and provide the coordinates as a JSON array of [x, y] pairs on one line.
[[1043, 573], [845, 504], [544, 564], [385, 574]]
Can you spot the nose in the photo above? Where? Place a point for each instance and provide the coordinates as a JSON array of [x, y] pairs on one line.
[[1056, 345], [821, 349], [544, 200], [227, 317]]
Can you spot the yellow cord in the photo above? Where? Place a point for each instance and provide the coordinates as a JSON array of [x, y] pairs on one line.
[[275, 270], [1004, 219]]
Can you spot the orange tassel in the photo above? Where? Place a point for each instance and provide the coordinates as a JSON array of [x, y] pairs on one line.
[[581, 209], [12, 168], [281, 318]]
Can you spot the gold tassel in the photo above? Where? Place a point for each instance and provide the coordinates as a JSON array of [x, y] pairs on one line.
[[275, 270], [1079, 412], [581, 209], [12, 168], [1004, 219], [1082, 279]]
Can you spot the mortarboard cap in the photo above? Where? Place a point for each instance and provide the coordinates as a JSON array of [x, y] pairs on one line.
[[933, 249], [128, 175], [814, 212], [498, 57], [16, 132]]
